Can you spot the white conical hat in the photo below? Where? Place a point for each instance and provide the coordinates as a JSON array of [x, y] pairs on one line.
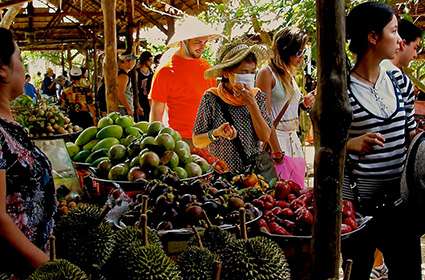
[[190, 27]]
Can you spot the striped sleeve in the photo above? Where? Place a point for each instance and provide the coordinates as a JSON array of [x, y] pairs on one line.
[[406, 87]]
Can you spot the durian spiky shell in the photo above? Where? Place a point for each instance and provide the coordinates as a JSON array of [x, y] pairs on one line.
[[125, 239], [197, 263], [5, 276], [83, 239], [59, 269], [216, 239], [256, 258]]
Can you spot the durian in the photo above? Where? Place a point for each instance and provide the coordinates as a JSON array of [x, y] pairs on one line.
[[5, 276], [255, 258], [57, 269], [197, 262], [84, 238]]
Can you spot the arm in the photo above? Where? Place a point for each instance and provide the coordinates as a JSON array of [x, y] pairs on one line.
[[122, 84], [363, 144], [157, 111], [225, 131], [265, 82], [12, 235]]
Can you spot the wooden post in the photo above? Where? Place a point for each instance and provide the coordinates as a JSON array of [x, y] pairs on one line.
[[110, 68], [331, 120], [131, 46], [10, 15]]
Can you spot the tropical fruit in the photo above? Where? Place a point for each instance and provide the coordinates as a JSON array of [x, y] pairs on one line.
[[170, 158], [103, 168], [172, 132], [72, 149], [114, 130], [105, 121], [181, 172], [165, 142], [81, 156], [114, 115], [89, 146], [147, 142], [133, 148], [118, 172], [127, 140], [124, 121], [154, 128], [205, 166], [182, 145], [96, 154], [134, 162], [197, 263], [135, 174], [58, 270], [143, 126], [131, 130], [193, 170], [86, 135], [106, 143], [149, 160], [117, 153]]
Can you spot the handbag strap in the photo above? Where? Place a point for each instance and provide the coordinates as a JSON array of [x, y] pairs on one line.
[[281, 113], [236, 141]]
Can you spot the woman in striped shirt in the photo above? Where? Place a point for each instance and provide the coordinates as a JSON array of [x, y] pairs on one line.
[[382, 124]]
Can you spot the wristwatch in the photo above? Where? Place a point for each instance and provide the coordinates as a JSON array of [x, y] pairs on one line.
[[211, 136]]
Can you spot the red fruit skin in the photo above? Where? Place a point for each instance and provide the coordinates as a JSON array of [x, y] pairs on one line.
[[303, 215], [351, 222], [290, 225], [297, 203], [263, 226], [282, 190], [277, 211], [294, 187], [291, 197], [287, 212], [276, 229], [281, 203], [268, 205], [345, 228], [258, 203]]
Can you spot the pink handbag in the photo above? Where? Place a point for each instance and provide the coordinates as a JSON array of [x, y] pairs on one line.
[[291, 168]]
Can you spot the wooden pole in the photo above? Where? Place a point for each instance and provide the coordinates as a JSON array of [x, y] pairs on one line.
[[110, 68], [131, 28], [331, 117], [10, 15]]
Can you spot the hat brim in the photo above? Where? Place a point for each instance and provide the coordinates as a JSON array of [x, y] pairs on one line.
[[183, 37], [260, 52]]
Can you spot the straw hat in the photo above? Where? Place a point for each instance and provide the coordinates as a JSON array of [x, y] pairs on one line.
[[75, 71], [190, 27], [233, 53]]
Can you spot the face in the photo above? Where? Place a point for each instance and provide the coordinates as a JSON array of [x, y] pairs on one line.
[[408, 52], [388, 43], [297, 59], [196, 46], [15, 74], [243, 68]]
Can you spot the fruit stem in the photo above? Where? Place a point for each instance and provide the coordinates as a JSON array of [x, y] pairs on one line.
[[144, 224], [52, 245], [244, 234], [145, 199], [217, 270], [207, 220], [198, 237]]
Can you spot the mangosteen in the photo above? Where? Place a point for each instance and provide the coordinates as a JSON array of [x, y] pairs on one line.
[[211, 208], [164, 225], [235, 202]]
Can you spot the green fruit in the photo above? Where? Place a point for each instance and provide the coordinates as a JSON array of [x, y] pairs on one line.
[[136, 174], [205, 166], [171, 159], [182, 145], [161, 170], [147, 142], [114, 115], [193, 170], [103, 167], [106, 143], [197, 263], [89, 146], [96, 154], [172, 132], [104, 122], [134, 162], [131, 130], [133, 148], [81, 156], [127, 140], [118, 172], [124, 121], [216, 239], [110, 131], [184, 156], [58, 270], [117, 153], [143, 126], [96, 162], [181, 173], [149, 160], [154, 128], [86, 135], [165, 141], [72, 149]]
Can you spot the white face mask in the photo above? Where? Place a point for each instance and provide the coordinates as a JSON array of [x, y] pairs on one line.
[[247, 79]]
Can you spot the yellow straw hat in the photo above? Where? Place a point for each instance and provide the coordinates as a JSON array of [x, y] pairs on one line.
[[190, 27], [233, 53]]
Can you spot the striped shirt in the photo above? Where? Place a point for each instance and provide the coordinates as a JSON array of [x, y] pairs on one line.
[[375, 172]]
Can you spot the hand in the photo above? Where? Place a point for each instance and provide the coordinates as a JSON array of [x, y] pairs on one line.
[[244, 93], [140, 111], [226, 131], [309, 99], [365, 143]]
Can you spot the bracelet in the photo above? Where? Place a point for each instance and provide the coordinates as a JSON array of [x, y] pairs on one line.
[[211, 137], [277, 155]]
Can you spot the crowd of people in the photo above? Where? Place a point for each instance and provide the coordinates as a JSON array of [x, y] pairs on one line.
[[232, 108]]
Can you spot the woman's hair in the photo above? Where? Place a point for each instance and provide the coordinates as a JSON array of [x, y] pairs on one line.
[[144, 56], [7, 48], [363, 19], [287, 42]]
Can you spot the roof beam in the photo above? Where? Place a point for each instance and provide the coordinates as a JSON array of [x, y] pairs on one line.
[[7, 4]]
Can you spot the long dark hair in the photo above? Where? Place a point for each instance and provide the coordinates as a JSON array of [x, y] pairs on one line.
[[7, 48], [363, 19]]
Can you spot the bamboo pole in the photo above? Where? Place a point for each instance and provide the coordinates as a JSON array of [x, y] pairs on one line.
[[331, 117], [110, 67]]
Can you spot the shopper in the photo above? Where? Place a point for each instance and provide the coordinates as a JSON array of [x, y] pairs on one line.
[[126, 63], [144, 75], [179, 82], [382, 124], [277, 80], [29, 89], [27, 194], [48, 87], [232, 118]]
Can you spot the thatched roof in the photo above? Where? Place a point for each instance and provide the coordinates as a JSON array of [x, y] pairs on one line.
[[80, 22]]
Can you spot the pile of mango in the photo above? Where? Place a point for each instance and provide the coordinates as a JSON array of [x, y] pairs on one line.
[[123, 150]]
